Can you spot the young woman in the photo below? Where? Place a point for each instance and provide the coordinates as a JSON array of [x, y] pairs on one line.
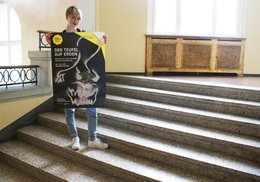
[[73, 17]]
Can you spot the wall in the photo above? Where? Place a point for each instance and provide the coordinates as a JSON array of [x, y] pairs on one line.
[[252, 35], [125, 22], [34, 15], [38, 15], [13, 110], [88, 8]]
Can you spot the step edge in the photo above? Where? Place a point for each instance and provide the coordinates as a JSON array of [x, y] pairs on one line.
[[116, 139]]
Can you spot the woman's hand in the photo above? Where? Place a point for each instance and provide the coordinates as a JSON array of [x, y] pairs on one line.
[[105, 37], [48, 37]]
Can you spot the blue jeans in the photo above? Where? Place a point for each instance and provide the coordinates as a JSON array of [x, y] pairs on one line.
[[91, 114]]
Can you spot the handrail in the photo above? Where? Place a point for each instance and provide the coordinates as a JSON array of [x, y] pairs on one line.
[[21, 66], [18, 75]]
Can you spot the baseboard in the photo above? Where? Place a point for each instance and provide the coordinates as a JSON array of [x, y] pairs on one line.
[[30, 118], [192, 74], [253, 75], [125, 73], [182, 74]]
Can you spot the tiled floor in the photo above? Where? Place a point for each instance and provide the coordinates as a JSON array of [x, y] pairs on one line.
[[241, 81]]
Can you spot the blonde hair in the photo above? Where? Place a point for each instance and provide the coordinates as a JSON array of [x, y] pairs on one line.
[[73, 10]]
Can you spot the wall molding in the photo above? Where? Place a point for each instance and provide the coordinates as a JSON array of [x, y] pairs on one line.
[[18, 92]]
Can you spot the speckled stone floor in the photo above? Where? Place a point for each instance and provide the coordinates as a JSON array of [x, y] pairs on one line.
[[11, 174], [241, 81], [147, 142]]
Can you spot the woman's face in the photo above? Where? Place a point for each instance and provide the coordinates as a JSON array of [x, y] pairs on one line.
[[73, 20]]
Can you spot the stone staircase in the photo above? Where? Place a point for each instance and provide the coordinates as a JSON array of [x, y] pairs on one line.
[[158, 130]]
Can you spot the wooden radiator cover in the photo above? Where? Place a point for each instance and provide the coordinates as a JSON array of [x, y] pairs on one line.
[[194, 54]]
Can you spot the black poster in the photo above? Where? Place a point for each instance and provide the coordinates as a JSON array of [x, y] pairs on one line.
[[78, 67]]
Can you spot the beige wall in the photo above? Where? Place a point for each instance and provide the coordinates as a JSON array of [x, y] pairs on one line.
[[34, 15], [13, 110], [125, 22], [38, 15], [252, 35]]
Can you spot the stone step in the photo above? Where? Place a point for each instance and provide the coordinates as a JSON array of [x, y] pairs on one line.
[[222, 142], [9, 173], [209, 103], [47, 166], [178, 156], [201, 88], [206, 119], [110, 161]]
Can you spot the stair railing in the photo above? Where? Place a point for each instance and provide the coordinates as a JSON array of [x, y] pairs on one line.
[[18, 75]]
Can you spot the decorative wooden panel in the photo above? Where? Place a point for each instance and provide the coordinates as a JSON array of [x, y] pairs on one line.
[[196, 56], [193, 54], [163, 55], [228, 57]]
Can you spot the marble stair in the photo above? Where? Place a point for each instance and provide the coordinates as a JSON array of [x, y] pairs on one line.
[[158, 130]]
